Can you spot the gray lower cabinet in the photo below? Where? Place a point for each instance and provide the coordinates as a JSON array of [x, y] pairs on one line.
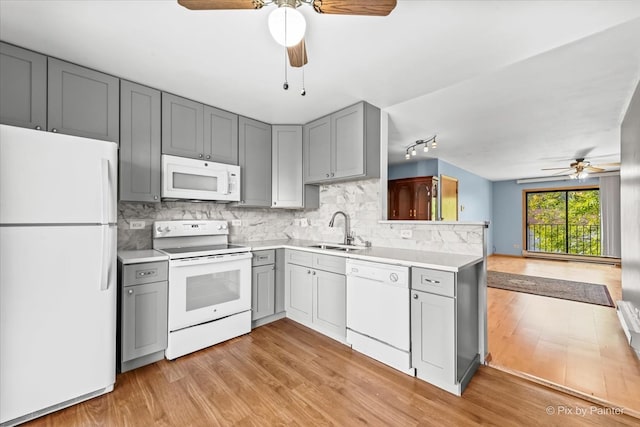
[[254, 148], [182, 127], [82, 102], [316, 297], [263, 281], [329, 302], [288, 189], [444, 326], [23, 87], [139, 143], [343, 146], [298, 297], [267, 286], [142, 314]]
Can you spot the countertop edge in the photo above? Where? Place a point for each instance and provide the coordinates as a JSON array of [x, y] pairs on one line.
[[473, 259]]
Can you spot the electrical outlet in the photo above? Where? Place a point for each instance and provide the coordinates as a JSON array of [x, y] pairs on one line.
[[406, 234], [236, 222], [136, 225], [304, 222], [461, 208]]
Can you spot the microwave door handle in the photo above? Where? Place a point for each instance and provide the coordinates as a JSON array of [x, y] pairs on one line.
[[224, 186]]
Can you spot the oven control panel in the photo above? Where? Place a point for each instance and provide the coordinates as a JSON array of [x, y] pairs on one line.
[[189, 228]]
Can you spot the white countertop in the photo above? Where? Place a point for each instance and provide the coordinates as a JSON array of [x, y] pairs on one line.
[[142, 255], [410, 258]]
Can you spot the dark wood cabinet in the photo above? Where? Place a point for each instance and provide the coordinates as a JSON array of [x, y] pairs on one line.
[[413, 198]]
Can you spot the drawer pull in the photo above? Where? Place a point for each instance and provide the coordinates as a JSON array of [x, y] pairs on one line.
[[435, 282], [263, 257]]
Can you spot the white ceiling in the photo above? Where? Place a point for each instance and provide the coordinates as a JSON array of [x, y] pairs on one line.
[[508, 86]]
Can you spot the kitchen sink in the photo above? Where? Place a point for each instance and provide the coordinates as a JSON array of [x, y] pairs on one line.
[[336, 247]]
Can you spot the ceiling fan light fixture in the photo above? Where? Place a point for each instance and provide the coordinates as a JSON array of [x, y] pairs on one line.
[[287, 25]]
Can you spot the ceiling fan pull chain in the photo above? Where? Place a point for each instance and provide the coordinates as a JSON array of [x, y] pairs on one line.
[[285, 86], [303, 92]]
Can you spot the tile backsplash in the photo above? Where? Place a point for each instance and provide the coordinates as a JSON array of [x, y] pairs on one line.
[[357, 199]]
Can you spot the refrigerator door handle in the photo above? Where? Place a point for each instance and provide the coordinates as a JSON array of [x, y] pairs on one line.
[[105, 259], [105, 191]]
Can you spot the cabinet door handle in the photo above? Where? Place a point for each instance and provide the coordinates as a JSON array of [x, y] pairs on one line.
[[415, 296], [208, 157], [155, 197], [130, 291], [38, 127], [435, 282], [394, 212], [200, 155], [332, 174], [54, 130], [313, 273], [308, 271], [327, 175]]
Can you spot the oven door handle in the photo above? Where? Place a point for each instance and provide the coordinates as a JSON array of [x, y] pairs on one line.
[[212, 259]]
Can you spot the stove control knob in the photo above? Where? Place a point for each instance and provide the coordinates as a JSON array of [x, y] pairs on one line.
[[219, 227], [224, 226], [167, 229], [159, 229]]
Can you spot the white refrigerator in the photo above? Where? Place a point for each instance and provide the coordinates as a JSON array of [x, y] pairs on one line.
[[57, 271]]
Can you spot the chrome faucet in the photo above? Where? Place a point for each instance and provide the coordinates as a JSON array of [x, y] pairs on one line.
[[348, 237]]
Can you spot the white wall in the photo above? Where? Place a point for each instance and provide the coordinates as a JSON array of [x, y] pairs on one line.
[[630, 200]]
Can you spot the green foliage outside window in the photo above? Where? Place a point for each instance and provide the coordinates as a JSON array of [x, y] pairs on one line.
[[564, 222]]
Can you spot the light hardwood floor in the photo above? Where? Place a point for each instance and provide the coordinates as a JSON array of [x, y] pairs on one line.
[[574, 345], [286, 374]]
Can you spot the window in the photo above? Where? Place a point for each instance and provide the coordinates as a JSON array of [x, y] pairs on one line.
[[564, 221]]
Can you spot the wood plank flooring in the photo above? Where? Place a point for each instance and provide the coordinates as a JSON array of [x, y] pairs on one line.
[[574, 345], [286, 374]]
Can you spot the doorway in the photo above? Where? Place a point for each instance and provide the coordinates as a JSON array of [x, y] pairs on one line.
[[448, 198]]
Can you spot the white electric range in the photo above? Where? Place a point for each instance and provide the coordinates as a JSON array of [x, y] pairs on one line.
[[209, 284]]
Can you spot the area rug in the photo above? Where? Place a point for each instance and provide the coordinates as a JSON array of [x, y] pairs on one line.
[[590, 293]]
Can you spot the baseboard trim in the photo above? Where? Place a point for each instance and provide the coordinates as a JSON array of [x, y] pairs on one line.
[[578, 258]]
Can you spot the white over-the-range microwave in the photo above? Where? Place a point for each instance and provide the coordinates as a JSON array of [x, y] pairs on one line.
[[192, 179]]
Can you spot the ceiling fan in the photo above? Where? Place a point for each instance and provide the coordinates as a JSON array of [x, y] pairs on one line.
[[295, 44], [580, 168]]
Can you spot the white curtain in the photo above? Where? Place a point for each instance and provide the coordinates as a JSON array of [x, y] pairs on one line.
[[610, 215]]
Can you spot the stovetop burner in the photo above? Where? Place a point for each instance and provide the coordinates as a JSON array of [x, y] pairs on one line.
[[193, 238]]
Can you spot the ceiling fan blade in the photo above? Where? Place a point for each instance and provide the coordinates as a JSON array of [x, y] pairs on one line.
[[563, 172], [221, 4], [298, 54], [607, 165], [355, 7], [555, 169], [594, 169]]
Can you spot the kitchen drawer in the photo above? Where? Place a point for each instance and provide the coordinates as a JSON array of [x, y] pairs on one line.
[[299, 257], [335, 264], [433, 281], [146, 272], [263, 257]]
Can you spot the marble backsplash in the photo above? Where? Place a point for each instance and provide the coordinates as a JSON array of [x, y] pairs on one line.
[[358, 199]]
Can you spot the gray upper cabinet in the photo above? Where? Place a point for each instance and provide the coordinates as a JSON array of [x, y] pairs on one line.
[[139, 143], [287, 166], [191, 129], [343, 146], [82, 102], [182, 129], [23, 85], [347, 138], [254, 152], [317, 150], [220, 136]]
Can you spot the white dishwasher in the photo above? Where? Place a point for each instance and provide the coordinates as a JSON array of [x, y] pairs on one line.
[[378, 312]]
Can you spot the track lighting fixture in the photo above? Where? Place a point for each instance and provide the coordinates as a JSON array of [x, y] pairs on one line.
[[426, 144]]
